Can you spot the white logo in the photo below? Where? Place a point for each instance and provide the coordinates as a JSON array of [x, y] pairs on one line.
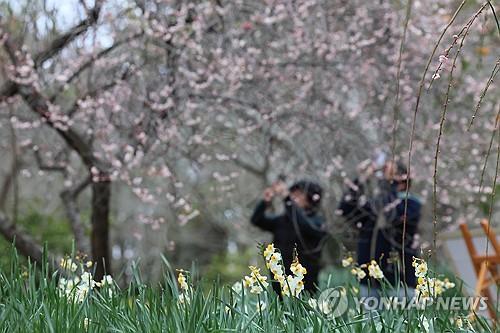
[[333, 301]]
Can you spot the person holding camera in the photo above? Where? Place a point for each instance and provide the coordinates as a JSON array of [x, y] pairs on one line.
[[378, 202], [301, 226]]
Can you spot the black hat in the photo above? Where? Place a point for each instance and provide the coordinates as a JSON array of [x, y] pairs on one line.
[[402, 170], [312, 190]]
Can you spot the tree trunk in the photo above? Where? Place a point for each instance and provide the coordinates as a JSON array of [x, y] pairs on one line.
[[101, 197]]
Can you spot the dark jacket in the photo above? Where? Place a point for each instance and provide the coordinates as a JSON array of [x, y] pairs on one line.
[[296, 227], [390, 205]]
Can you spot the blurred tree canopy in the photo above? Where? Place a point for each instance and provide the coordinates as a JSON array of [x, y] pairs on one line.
[[149, 127]]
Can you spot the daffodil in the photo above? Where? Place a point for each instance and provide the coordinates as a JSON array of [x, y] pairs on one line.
[[182, 281], [448, 284], [324, 306], [277, 272], [269, 251], [68, 264], [254, 270], [261, 305], [359, 273], [428, 288], [183, 298], [280, 278], [290, 285], [107, 283], [374, 270], [237, 287], [294, 286], [313, 303], [297, 269], [248, 281], [274, 259], [346, 262], [77, 288], [86, 323], [256, 289], [184, 292], [255, 281], [421, 269]]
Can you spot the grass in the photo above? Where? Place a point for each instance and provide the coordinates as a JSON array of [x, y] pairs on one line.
[[30, 301]]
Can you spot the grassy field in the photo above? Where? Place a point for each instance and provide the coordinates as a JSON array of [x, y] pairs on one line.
[[68, 300]]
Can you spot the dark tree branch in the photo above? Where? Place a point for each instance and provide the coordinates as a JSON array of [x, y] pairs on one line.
[[10, 179], [124, 76], [26, 245], [69, 198], [59, 42], [47, 167], [8, 90], [259, 172], [93, 59], [41, 106], [7, 183]]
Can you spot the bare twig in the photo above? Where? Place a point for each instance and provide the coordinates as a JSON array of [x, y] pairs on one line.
[[398, 79], [92, 60], [488, 152], [59, 42], [494, 72]]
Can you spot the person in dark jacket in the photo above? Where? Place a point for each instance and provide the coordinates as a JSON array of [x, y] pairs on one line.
[[300, 226], [380, 219]]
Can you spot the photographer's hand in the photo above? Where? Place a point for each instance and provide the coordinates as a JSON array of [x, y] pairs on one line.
[[268, 194], [280, 189]]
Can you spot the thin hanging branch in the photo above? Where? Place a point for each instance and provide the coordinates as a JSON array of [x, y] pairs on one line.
[[494, 15], [494, 72], [398, 80], [441, 125], [488, 152], [456, 37], [414, 124], [493, 193]]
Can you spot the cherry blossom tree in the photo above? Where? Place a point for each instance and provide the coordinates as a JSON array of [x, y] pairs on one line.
[[189, 108]]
